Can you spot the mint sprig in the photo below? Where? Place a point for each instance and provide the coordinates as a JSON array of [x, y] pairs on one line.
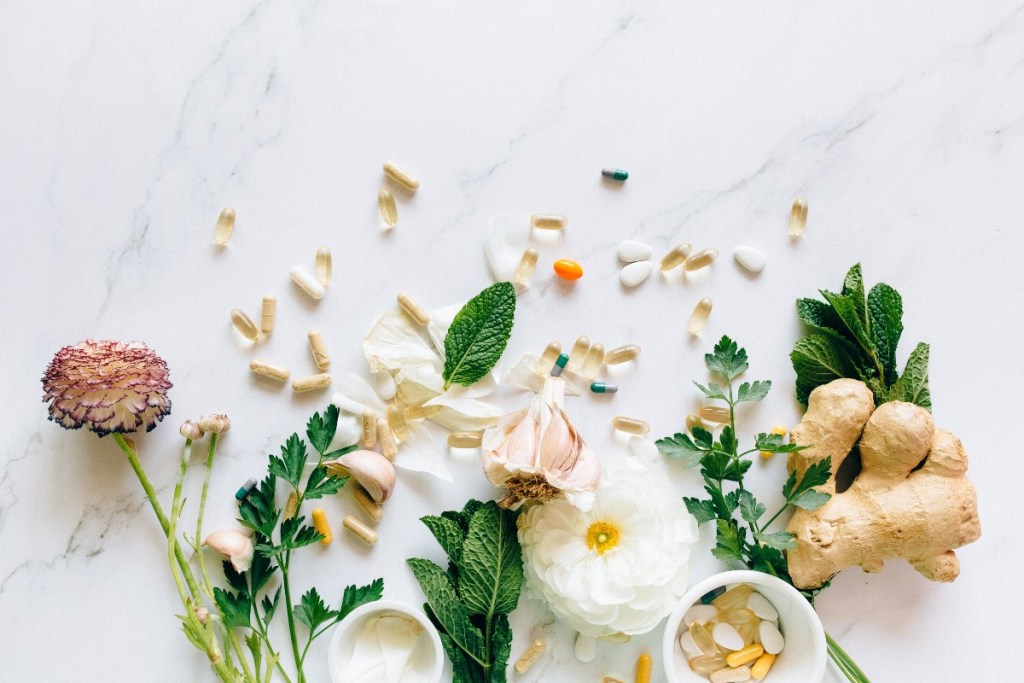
[[478, 335]]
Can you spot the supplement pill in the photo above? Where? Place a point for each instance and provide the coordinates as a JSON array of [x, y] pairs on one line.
[[694, 421], [568, 269], [705, 664], [244, 490], [712, 595], [760, 606], [465, 439], [744, 656], [307, 283], [384, 384], [702, 258], [727, 636], [614, 174], [750, 259], [631, 425], [551, 353], [401, 177], [621, 354], [396, 422], [359, 530], [700, 613], [688, 646], [548, 221], [593, 361], [524, 271], [737, 675], [586, 648], [319, 350], [631, 251], [386, 437], [559, 365], [291, 506], [771, 638], [421, 411], [702, 638], [643, 668], [762, 666], [244, 324], [372, 509], [530, 656], [387, 208], [311, 383], [578, 353], [798, 217], [369, 429], [736, 596], [736, 617], [324, 265], [603, 388], [322, 525], [413, 309], [715, 414], [675, 256], [635, 273], [225, 225], [699, 317], [268, 314], [269, 371]]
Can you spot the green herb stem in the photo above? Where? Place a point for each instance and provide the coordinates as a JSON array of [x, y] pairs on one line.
[[202, 509], [843, 661]]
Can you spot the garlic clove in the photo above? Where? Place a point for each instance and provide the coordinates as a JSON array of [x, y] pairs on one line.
[[234, 545], [191, 430], [373, 471]]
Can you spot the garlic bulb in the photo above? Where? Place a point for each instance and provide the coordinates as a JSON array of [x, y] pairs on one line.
[[234, 545]]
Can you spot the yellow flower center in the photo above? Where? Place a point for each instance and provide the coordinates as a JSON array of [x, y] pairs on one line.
[[602, 537]]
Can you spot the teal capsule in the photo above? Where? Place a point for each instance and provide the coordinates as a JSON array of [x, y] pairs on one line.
[[708, 597], [615, 174], [603, 388], [563, 358], [244, 490]]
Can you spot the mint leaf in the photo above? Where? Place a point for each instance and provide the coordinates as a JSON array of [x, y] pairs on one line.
[[820, 316], [749, 392], [853, 290], [356, 596], [320, 429], [448, 534], [912, 387], [682, 448], [727, 360], [451, 613], [491, 566], [848, 311], [289, 465], [750, 509], [500, 649], [478, 335], [818, 360], [461, 670], [885, 311], [702, 510], [780, 540]]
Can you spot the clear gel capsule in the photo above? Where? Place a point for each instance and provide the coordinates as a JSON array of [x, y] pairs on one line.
[[548, 358], [269, 371], [548, 221], [324, 265], [702, 258], [421, 412], [401, 177], [631, 425], [387, 208], [716, 414], [736, 597], [268, 314], [397, 422], [307, 283], [244, 324], [578, 354], [524, 272], [465, 439], [699, 317], [621, 354], [225, 225], [319, 350], [603, 388], [675, 256], [694, 421], [593, 361], [798, 217], [413, 309], [614, 174]]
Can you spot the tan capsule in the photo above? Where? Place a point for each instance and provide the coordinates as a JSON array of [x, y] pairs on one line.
[[716, 414], [594, 361], [621, 354], [319, 350], [292, 506], [244, 324], [397, 422], [530, 656], [324, 265], [225, 225], [548, 221], [694, 421], [631, 425], [400, 177], [578, 354], [413, 309], [798, 217], [524, 272], [702, 258], [369, 438], [548, 358], [307, 283], [465, 439], [371, 508], [612, 679], [268, 314], [387, 208], [359, 530], [422, 412], [311, 383], [699, 317], [386, 437], [269, 371], [675, 256]]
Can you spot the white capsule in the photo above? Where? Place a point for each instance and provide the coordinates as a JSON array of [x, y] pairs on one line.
[[630, 251], [727, 636], [700, 613], [635, 273], [384, 384], [771, 638], [750, 259], [586, 648], [307, 283], [689, 647], [760, 606]]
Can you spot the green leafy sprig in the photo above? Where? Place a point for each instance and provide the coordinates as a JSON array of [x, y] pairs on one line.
[[478, 335], [469, 602], [855, 335]]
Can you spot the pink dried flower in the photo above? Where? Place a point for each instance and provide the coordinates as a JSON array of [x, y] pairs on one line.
[[107, 386]]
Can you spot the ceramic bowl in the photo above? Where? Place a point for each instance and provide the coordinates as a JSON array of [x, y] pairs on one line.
[[348, 631], [802, 660]]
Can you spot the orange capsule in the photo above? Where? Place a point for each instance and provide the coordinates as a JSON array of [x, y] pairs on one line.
[[569, 270]]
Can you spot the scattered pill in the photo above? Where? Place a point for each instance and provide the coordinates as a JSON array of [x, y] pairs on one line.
[[716, 414], [750, 259], [593, 361], [737, 675], [311, 383], [359, 530], [700, 613], [706, 664], [268, 314], [524, 271], [369, 429], [244, 324], [614, 174], [578, 353], [530, 656], [710, 596], [621, 354], [736, 617], [746, 655], [586, 648], [413, 309], [465, 439], [798, 217], [727, 636], [762, 666], [396, 422], [643, 668], [675, 256], [319, 350], [384, 384], [551, 353], [760, 606], [324, 265], [386, 437], [635, 273], [568, 269], [270, 371], [307, 283], [771, 638], [372, 509], [737, 595], [702, 258], [603, 388], [291, 506], [322, 525], [694, 421], [630, 251], [548, 221], [699, 317], [386, 207], [225, 226], [778, 430], [244, 490], [702, 638], [559, 365], [400, 176], [631, 425]]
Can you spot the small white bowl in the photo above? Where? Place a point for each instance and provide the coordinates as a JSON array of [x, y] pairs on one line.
[[802, 660], [347, 632]]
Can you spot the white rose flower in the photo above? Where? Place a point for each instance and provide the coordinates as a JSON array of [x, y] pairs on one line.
[[619, 567]]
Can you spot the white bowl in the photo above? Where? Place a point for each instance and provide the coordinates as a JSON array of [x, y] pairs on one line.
[[347, 632], [802, 660]]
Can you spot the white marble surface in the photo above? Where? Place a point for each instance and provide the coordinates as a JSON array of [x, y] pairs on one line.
[[126, 127]]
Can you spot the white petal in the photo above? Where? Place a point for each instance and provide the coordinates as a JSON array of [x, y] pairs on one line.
[[440, 320], [355, 395], [504, 243], [394, 343], [420, 452], [523, 376], [348, 433]]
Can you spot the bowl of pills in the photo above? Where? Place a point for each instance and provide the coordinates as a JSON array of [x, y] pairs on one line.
[[744, 626]]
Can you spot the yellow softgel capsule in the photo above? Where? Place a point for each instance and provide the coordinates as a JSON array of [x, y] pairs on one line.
[[548, 221], [225, 225], [465, 439], [700, 315], [568, 269], [798, 217], [387, 208], [524, 272], [321, 524], [702, 258], [244, 324], [547, 359], [578, 353], [716, 414], [622, 354], [675, 256], [631, 425], [324, 265]]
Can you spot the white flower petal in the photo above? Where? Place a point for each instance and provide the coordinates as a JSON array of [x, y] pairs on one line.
[[504, 243], [355, 395], [420, 452], [437, 329], [348, 433], [394, 343]]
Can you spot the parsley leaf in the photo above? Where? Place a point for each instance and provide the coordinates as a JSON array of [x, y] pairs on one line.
[[321, 428], [702, 510], [755, 391], [780, 540], [729, 543], [682, 448], [357, 596], [293, 459], [801, 492], [234, 607], [478, 335], [312, 611], [321, 483], [750, 509], [728, 359]]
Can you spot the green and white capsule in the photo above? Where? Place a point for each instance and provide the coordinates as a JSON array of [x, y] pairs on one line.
[[603, 388], [244, 490], [614, 174], [559, 364]]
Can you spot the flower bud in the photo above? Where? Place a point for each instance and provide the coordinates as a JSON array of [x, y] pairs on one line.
[[215, 424], [190, 430], [202, 614]]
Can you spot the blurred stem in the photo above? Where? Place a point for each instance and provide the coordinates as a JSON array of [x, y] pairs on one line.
[[202, 510]]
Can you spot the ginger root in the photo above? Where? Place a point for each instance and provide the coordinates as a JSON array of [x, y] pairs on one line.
[[912, 498]]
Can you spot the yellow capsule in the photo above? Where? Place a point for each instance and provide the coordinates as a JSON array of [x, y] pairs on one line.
[[319, 350], [578, 354], [268, 314], [643, 668], [372, 509], [744, 656], [778, 430], [422, 412], [705, 664], [593, 361], [401, 177], [762, 666], [548, 358], [699, 317], [387, 208], [703, 639], [631, 425], [798, 217], [675, 256], [530, 656], [622, 354], [291, 506], [369, 437], [311, 383], [359, 530], [524, 271], [322, 525], [269, 371], [465, 439], [413, 309], [244, 324], [702, 258], [736, 617], [324, 265], [567, 269], [386, 437], [736, 596], [397, 422], [225, 225], [694, 421], [548, 221]]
